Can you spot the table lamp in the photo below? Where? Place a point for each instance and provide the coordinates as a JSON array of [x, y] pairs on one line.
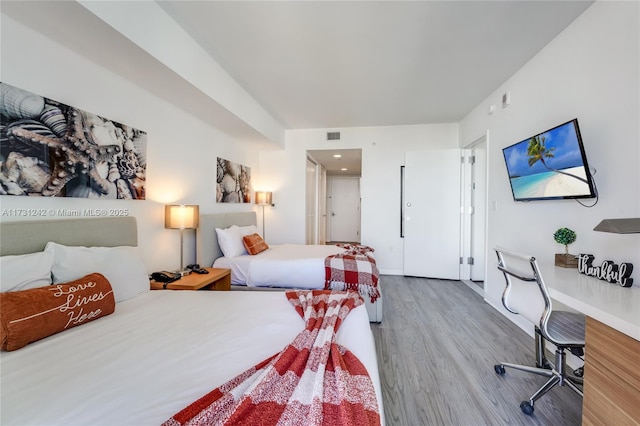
[[181, 216]]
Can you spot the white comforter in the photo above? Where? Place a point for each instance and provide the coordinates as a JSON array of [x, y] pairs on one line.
[[286, 265], [158, 352]]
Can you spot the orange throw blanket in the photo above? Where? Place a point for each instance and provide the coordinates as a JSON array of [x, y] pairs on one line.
[[313, 381]]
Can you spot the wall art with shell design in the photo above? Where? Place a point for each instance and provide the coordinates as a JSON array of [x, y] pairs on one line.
[[55, 150], [233, 182]]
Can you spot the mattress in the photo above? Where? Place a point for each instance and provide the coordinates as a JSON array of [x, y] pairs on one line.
[[285, 266], [158, 352]]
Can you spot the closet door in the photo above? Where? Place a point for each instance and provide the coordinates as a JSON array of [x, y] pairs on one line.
[[322, 207], [311, 219], [432, 214]]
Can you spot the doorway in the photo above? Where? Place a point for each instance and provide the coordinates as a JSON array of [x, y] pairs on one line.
[[474, 195], [324, 166]]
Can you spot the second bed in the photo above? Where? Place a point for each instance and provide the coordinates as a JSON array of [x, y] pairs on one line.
[[286, 266]]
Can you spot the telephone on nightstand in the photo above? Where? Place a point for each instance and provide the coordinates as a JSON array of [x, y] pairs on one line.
[[165, 277], [197, 269]]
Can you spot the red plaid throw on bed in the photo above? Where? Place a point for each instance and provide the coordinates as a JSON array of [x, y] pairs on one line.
[[355, 269], [313, 381]]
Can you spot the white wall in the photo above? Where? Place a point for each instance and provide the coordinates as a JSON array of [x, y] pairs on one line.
[[181, 150], [590, 71], [383, 151]]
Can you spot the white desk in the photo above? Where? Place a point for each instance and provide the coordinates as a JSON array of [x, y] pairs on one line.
[[611, 375], [618, 307]]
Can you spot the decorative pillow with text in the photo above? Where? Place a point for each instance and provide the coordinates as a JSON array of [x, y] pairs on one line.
[[30, 315]]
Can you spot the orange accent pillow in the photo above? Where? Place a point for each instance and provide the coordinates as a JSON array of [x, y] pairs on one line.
[[254, 244], [30, 315]]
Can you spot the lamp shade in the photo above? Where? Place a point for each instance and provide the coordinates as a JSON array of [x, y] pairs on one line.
[[619, 226], [180, 216], [263, 198]]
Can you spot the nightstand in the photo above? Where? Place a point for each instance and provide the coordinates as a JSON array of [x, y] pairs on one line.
[[217, 279]]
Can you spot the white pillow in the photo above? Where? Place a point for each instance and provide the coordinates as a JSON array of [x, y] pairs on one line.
[[230, 241], [249, 230], [25, 271], [122, 266]]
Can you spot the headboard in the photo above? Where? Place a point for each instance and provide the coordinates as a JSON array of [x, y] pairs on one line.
[[207, 240], [32, 236]]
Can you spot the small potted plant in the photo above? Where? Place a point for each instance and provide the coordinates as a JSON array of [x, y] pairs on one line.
[[565, 236]]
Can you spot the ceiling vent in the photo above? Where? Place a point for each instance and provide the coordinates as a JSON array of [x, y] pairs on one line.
[[333, 136]]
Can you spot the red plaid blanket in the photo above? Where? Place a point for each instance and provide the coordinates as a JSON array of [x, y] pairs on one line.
[[313, 381], [355, 248], [355, 269]]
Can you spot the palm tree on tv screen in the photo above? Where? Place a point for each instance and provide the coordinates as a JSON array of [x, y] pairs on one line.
[[537, 151]]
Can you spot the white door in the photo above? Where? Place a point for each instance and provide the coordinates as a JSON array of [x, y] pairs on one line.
[[432, 214], [344, 208]]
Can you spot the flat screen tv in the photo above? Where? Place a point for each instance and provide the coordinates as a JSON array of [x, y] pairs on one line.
[[551, 165]]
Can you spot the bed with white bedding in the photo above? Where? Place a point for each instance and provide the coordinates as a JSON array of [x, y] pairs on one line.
[[286, 266], [157, 353]]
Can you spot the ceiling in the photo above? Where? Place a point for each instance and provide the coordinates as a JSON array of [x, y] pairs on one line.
[[325, 64], [350, 159], [333, 64]]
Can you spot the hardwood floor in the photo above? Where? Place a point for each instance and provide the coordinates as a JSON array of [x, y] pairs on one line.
[[436, 348]]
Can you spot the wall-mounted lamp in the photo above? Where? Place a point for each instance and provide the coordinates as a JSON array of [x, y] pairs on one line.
[[263, 198], [180, 216]]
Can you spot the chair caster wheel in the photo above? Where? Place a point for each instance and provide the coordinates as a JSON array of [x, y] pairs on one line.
[[499, 368], [526, 408]]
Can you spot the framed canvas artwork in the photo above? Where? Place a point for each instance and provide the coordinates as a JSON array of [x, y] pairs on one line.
[[233, 182], [51, 149]]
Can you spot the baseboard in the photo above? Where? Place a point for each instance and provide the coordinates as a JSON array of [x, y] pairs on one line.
[[391, 271], [474, 287]]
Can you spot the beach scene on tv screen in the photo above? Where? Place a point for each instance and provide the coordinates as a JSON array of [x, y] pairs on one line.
[[548, 165]]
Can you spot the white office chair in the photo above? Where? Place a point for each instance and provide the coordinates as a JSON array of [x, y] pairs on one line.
[[526, 294]]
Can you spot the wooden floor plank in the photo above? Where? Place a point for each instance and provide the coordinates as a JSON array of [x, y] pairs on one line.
[[436, 349]]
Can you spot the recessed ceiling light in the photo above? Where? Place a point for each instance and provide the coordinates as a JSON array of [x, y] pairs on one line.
[[344, 169], [337, 155]]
